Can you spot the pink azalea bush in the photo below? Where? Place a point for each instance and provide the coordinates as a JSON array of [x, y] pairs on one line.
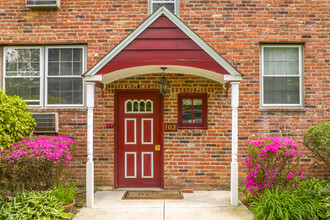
[[36, 162], [272, 162]]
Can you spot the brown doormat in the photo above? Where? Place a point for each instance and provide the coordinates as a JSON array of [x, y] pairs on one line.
[[153, 195]]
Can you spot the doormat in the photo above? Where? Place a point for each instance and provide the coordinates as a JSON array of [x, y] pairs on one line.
[[153, 195]]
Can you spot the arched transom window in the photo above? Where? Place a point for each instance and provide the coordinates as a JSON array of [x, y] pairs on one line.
[[138, 106]]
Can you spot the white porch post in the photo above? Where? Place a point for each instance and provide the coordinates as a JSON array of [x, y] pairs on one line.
[[90, 163], [234, 130]]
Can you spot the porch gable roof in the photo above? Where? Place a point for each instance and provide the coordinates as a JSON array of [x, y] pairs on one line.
[[162, 39]]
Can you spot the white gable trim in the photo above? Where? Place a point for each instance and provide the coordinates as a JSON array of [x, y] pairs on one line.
[[162, 11]]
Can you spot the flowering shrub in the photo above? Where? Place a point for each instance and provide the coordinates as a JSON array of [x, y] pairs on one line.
[[272, 162], [35, 162]]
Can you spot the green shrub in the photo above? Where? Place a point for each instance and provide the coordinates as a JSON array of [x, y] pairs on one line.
[[319, 191], [16, 121], [33, 205], [64, 192], [310, 200], [317, 140]]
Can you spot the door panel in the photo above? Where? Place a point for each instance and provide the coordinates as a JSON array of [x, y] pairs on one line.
[[130, 130], [130, 165], [139, 120], [147, 165], [147, 130]]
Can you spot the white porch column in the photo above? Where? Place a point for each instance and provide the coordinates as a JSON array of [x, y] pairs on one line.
[[90, 163], [234, 131]]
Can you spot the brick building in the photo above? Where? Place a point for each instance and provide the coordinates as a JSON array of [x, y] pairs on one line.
[[272, 55]]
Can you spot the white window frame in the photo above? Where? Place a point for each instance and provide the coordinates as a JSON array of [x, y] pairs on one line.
[[301, 76], [41, 68], [176, 5], [83, 70], [43, 73]]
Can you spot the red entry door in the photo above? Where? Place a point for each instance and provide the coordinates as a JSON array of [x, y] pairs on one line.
[[139, 143]]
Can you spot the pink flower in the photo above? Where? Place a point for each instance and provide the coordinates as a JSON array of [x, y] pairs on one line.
[[271, 160], [290, 176]]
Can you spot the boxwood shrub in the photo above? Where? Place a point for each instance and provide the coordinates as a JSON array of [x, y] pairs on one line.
[[16, 121]]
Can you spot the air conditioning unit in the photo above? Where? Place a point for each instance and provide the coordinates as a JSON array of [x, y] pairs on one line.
[[43, 4], [47, 123]]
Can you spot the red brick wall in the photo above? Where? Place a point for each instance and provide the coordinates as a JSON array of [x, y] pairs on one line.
[[233, 28], [192, 158]]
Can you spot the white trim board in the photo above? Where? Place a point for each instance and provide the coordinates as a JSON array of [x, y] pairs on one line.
[[182, 26]]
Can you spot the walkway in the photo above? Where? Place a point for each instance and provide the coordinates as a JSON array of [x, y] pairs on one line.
[[202, 205]]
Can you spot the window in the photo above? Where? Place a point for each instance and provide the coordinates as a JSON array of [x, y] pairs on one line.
[[192, 111], [172, 5], [141, 106], [63, 76], [282, 75], [45, 76], [22, 73]]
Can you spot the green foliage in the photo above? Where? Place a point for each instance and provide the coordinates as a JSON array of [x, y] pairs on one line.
[[317, 140], [283, 205], [64, 192], [247, 196], [310, 200], [16, 121], [319, 191], [33, 205]]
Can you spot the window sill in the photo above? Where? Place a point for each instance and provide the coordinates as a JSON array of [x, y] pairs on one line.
[[282, 109], [58, 108]]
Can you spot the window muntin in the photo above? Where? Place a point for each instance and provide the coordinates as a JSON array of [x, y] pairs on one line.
[[192, 111], [281, 75], [35, 76], [172, 5]]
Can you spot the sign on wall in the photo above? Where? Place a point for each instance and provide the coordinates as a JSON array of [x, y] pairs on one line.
[[170, 127]]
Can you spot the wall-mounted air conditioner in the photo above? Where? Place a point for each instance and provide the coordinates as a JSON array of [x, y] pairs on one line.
[[40, 4], [47, 123]]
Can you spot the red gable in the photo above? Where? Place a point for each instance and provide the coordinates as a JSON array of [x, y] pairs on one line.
[[162, 43]]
